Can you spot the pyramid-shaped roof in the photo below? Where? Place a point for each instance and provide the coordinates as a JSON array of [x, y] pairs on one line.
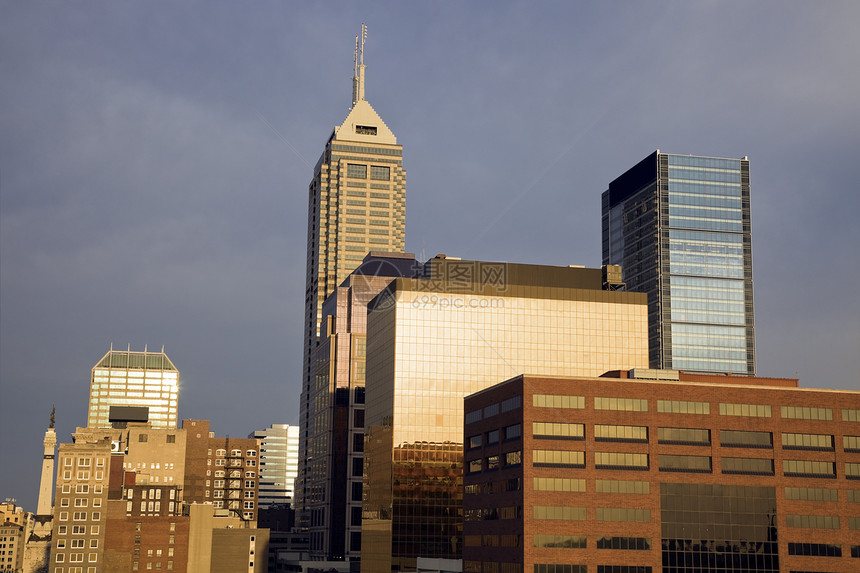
[[363, 124]]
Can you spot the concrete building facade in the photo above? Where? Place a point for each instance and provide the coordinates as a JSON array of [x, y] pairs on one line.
[[661, 471]]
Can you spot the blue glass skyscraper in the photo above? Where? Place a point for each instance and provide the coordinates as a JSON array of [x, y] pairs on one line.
[[679, 226]]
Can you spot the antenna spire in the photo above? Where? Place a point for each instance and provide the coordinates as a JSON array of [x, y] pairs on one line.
[[358, 67]]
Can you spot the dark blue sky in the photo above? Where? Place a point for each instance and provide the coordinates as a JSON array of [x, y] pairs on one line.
[[155, 156]]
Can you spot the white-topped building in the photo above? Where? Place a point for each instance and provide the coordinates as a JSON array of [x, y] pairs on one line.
[[136, 386]]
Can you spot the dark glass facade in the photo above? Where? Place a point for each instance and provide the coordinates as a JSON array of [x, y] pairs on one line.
[[679, 226], [714, 527]]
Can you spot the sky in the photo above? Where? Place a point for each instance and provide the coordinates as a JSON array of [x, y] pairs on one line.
[[155, 158]]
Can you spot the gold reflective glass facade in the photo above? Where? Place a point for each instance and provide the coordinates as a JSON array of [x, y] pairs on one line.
[[128, 378], [330, 508], [433, 341]]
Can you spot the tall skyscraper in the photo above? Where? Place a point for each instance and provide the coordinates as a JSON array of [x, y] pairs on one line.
[[279, 462], [356, 199], [137, 386], [356, 203], [462, 327], [679, 226]]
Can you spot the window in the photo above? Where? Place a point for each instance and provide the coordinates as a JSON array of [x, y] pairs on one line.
[[811, 494], [633, 543], [804, 413], [558, 459], [379, 172], [559, 484], [474, 441], [558, 431], [365, 130], [820, 442], [550, 401], [851, 415], [171, 438], [622, 486], [747, 466], [513, 431], [851, 443], [621, 404], [808, 468], [610, 433], [622, 514], [746, 410], [689, 464], [815, 549], [355, 170], [142, 438], [812, 521], [565, 513], [618, 460], [82, 488], [682, 407], [684, 436], [568, 541], [513, 403], [745, 439]]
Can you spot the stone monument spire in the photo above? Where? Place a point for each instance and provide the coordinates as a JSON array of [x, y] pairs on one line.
[[46, 486]]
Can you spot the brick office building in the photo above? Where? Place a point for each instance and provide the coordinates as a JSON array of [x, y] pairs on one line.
[[650, 473]]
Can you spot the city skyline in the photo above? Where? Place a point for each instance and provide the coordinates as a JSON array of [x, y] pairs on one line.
[[153, 173]]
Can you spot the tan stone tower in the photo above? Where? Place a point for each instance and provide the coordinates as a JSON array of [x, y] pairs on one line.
[[356, 204]]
